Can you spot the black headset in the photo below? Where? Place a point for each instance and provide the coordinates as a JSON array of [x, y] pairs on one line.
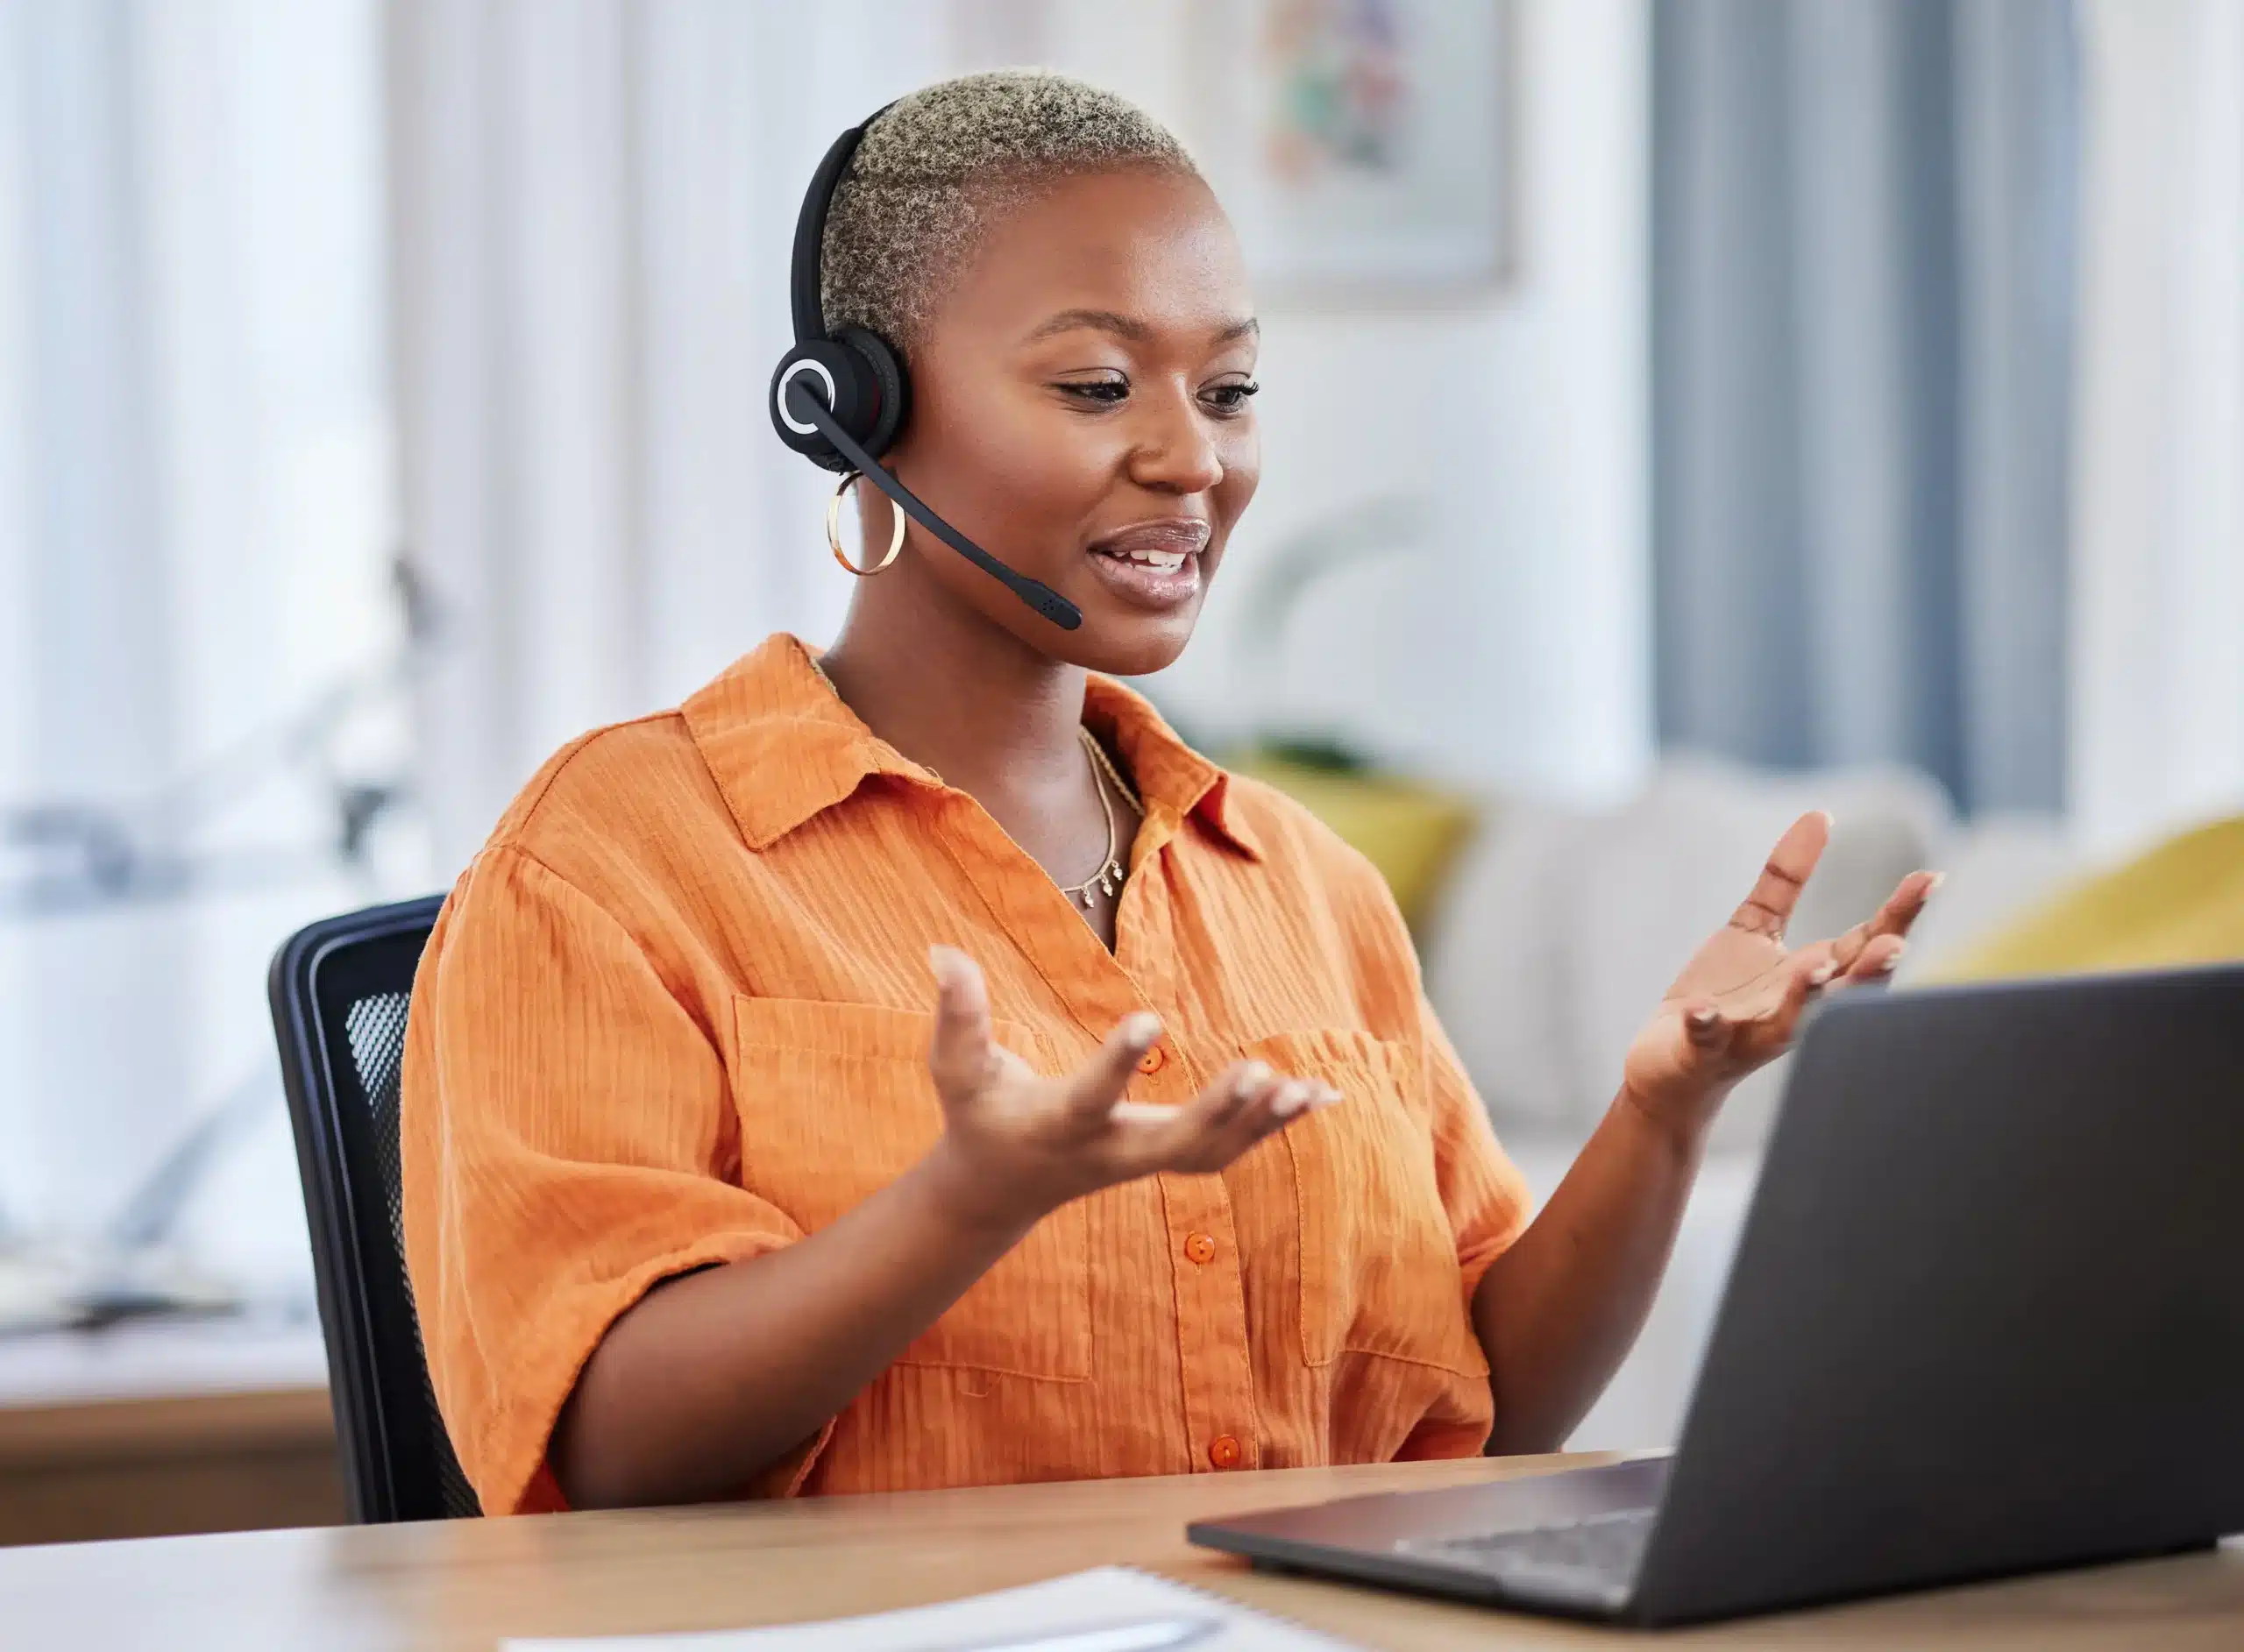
[[841, 398]]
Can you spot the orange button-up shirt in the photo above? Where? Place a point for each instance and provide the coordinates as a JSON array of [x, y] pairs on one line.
[[677, 1013]]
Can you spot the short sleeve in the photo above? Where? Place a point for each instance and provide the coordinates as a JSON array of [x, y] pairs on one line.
[[568, 1142], [1487, 1199]]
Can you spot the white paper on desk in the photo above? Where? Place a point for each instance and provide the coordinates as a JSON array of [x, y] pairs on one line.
[[1082, 1600]]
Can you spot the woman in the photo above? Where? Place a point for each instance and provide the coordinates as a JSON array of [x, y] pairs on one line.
[[707, 1194]]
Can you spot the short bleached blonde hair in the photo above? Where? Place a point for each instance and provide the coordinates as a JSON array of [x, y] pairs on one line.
[[939, 164]]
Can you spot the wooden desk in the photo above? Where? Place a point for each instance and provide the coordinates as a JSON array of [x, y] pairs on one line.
[[165, 1426], [462, 1584], [145, 1468]]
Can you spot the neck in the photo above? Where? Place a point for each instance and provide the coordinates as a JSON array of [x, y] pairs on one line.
[[950, 687]]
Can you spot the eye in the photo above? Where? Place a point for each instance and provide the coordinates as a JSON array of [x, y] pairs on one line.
[[1098, 392], [1231, 397]]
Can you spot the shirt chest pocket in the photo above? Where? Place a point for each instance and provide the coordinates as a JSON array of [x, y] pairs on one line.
[[835, 1103], [1379, 1273]]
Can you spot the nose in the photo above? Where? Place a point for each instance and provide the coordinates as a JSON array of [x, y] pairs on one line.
[[1175, 452]]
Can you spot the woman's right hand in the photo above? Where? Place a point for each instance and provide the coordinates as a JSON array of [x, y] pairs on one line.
[[1017, 1145]]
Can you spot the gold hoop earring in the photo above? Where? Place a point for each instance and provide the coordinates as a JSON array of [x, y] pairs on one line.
[[833, 531]]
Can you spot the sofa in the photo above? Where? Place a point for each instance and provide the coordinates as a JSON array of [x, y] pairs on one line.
[[1555, 932]]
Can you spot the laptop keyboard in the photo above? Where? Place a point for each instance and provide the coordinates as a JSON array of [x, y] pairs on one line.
[[1590, 1562]]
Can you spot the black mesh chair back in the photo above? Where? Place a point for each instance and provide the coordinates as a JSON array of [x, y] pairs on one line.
[[340, 990]]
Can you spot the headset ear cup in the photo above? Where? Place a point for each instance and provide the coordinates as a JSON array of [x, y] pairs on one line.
[[894, 386], [842, 379]]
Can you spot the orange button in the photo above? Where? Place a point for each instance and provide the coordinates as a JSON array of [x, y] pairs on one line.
[[1223, 1451], [1153, 1059], [1201, 1248]]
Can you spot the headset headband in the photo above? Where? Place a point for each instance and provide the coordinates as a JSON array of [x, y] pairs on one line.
[[805, 274]]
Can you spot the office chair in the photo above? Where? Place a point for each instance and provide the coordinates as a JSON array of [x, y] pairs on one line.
[[339, 990]]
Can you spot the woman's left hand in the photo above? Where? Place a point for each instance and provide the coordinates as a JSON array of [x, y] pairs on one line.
[[1738, 1001]]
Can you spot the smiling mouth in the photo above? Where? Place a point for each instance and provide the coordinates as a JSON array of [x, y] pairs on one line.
[[1161, 561], [1162, 547], [1155, 564]]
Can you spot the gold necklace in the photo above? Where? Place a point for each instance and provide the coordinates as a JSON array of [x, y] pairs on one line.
[[1106, 765], [1112, 874]]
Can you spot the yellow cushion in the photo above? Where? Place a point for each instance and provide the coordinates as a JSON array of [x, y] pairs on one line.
[[1410, 831], [2182, 902]]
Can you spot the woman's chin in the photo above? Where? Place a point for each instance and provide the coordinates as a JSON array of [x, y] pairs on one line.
[[1126, 631], [1137, 618], [1131, 642]]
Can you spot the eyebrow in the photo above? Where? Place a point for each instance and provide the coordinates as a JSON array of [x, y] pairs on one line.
[[1107, 320]]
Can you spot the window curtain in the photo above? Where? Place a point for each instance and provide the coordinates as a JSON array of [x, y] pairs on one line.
[[193, 540], [2157, 699], [584, 289], [1863, 316]]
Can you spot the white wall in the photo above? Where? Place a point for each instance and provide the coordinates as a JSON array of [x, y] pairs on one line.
[[1517, 651]]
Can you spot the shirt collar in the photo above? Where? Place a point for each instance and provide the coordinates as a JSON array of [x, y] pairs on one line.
[[784, 748]]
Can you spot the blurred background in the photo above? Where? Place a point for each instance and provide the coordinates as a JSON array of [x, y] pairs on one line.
[[1677, 413]]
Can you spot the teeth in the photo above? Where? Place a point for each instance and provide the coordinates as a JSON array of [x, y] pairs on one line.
[[1166, 562]]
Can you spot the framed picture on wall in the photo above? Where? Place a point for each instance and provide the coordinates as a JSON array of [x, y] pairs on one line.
[[1363, 147]]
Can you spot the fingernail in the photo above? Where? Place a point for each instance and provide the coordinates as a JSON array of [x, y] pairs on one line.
[[943, 960], [1702, 1019], [1252, 1077], [1938, 878], [1141, 1028], [1823, 973], [1291, 1100]]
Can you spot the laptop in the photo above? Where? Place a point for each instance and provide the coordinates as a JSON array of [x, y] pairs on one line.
[[1986, 1317]]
